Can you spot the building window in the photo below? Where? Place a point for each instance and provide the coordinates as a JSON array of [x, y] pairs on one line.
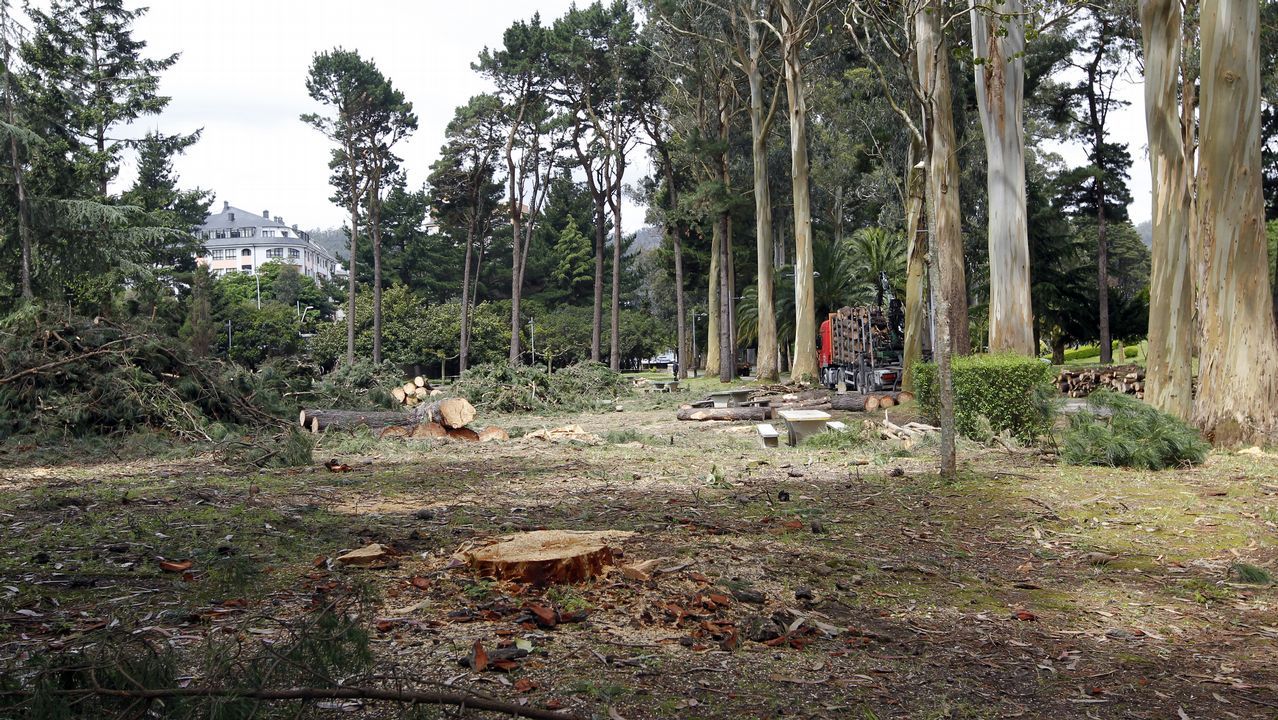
[[294, 253], [246, 252], [219, 234], [246, 268], [268, 233]]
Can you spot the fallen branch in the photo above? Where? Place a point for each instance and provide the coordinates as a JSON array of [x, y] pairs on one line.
[[416, 697]]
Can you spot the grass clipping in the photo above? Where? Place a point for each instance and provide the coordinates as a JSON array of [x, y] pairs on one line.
[[502, 388], [1121, 431]]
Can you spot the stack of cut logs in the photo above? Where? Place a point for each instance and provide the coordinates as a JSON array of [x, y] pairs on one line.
[[413, 392], [447, 417], [889, 430], [1126, 379], [765, 403]]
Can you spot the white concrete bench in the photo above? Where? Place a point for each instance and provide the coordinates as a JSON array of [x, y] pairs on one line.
[[768, 435], [729, 398], [802, 423], [836, 426]]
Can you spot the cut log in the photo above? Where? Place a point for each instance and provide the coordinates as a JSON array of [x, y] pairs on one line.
[[491, 433], [449, 412], [394, 431], [409, 387], [886, 401], [399, 394], [543, 557], [463, 433], [753, 414], [320, 420], [429, 430], [904, 396], [421, 393], [419, 381], [855, 403]]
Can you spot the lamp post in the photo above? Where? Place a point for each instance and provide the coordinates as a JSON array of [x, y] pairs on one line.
[[695, 357]]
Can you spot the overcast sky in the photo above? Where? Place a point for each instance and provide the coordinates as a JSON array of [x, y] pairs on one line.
[[241, 78]]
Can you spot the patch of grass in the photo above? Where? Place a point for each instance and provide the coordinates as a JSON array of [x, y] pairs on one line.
[[357, 442], [567, 600], [1251, 574], [852, 438]]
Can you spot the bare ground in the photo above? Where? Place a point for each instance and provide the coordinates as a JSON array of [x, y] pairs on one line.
[[797, 583]]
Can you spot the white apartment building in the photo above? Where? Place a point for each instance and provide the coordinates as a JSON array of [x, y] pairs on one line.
[[239, 241]]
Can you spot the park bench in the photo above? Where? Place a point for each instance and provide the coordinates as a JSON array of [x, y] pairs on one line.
[[729, 398], [768, 435]]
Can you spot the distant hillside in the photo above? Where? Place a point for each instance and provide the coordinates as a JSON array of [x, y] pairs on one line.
[[1146, 232], [333, 240], [647, 237]]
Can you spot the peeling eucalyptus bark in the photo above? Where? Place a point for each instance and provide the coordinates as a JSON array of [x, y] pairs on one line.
[[999, 41], [1169, 371], [1237, 401], [915, 265]]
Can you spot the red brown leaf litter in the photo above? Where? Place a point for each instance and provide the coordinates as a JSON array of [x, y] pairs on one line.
[[1026, 589]]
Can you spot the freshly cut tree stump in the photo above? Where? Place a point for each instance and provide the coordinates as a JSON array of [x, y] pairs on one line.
[[449, 412], [429, 430], [543, 557], [320, 420], [492, 432], [394, 431], [737, 413]]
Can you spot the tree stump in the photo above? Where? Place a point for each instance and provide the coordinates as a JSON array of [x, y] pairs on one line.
[[429, 430], [543, 557], [449, 412]]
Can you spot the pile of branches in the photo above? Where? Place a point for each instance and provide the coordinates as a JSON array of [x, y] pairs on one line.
[[75, 377], [502, 388]]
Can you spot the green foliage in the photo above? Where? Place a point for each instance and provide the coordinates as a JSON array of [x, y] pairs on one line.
[[992, 394], [1091, 351], [1252, 574], [363, 385], [853, 437], [511, 389], [1121, 431]]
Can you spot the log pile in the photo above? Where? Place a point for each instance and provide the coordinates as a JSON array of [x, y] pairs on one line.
[[1125, 379], [444, 418], [765, 403], [413, 392], [910, 431]]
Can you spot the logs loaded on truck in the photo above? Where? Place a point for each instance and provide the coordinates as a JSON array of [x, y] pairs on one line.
[[862, 348], [446, 417], [1125, 379]]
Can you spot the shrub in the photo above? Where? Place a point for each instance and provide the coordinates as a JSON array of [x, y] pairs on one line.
[[362, 386], [498, 387], [992, 394], [1093, 351], [1121, 431]]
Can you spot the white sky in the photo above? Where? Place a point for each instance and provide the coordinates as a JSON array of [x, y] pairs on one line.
[[241, 77]]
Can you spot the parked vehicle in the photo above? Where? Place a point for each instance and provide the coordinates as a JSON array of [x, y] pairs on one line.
[[862, 348]]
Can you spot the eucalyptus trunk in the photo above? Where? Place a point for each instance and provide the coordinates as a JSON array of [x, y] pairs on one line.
[[676, 242], [804, 367], [596, 328], [945, 237], [915, 265], [614, 339], [1237, 401], [464, 354], [727, 353], [759, 120], [999, 41], [350, 271], [1169, 371], [712, 299]]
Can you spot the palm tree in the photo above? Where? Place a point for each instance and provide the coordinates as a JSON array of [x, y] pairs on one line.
[[878, 254]]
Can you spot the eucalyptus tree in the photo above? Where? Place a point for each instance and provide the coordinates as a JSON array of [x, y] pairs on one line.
[[345, 83], [998, 44], [1169, 370], [798, 23], [521, 70], [464, 187], [1237, 400]]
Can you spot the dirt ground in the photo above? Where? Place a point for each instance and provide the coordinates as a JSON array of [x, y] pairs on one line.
[[791, 582]]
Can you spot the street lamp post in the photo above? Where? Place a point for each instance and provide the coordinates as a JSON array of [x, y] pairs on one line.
[[695, 357]]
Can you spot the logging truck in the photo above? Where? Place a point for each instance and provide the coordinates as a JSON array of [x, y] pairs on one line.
[[862, 348]]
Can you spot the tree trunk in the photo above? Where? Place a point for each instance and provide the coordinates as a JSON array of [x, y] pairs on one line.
[[614, 335], [915, 264], [713, 298], [464, 354], [516, 289], [375, 235], [727, 353], [1169, 371], [805, 325], [945, 230], [766, 361], [1237, 401], [350, 282], [676, 242], [1000, 96], [596, 337]]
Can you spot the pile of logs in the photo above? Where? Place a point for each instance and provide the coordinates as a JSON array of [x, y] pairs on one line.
[[447, 417], [889, 430], [1126, 379], [767, 402], [414, 391]]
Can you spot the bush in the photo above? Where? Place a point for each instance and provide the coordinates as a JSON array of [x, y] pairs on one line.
[[1121, 431], [523, 388], [1093, 351], [362, 386], [992, 394]]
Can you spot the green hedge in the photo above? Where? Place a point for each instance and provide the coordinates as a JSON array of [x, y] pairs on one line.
[[1093, 351], [993, 393], [1121, 431]]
